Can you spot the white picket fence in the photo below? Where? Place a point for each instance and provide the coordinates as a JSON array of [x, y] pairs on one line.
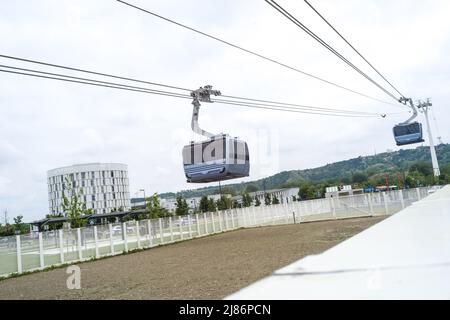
[[33, 252]]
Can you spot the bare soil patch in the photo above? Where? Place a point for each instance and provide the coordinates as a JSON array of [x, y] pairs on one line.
[[204, 268]]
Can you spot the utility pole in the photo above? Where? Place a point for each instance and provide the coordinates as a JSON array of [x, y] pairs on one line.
[[424, 107], [6, 217]]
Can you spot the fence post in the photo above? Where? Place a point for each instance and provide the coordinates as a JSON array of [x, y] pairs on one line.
[[369, 200], [244, 217], [254, 216], [333, 207], [61, 248], [111, 239], [181, 227], [125, 236], [220, 221], [97, 255], [213, 223], [225, 213], [161, 233], [205, 222], [198, 224], [385, 203], [150, 238], [401, 199], [171, 229], [232, 219], [418, 194], [80, 251], [19, 254], [189, 226], [138, 235], [286, 212], [41, 251]]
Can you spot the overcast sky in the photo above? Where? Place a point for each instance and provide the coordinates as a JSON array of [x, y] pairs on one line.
[[46, 124]]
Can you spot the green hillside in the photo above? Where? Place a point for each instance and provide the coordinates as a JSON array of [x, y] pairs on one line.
[[339, 172]]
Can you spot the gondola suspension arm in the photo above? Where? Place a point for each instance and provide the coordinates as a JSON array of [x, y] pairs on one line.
[[406, 101], [203, 94]]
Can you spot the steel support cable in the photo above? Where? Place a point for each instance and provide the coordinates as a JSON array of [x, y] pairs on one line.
[[250, 100], [253, 53], [176, 95], [118, 86], [92, 72], [90, 80], [137, 80], [286, 14], [354, 49], [272, 103], [294, 110], [299, 108]]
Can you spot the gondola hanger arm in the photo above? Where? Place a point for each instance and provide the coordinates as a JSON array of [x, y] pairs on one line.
[[203, 94]]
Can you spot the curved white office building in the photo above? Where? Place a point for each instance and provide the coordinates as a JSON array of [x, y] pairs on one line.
[[103, 187]]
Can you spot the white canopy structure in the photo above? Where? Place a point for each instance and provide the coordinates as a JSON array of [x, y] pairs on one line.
[[406, 256]]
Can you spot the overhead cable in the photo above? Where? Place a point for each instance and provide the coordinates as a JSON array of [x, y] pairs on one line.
[[251, 52]]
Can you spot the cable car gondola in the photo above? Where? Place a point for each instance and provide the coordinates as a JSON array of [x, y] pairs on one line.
[[408, 132], [218, 158]]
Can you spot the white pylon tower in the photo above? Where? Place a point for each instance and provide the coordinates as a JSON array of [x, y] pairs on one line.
[[423, 107]]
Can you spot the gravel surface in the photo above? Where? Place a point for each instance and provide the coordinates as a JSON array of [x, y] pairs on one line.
[[204, 268]]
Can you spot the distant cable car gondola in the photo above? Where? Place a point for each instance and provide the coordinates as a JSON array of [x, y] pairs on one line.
[[218, 158], [408, 132]]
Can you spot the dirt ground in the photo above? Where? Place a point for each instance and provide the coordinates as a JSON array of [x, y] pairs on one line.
[[204, 268]]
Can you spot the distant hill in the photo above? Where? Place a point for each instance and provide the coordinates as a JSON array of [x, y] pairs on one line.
[[398, 161]]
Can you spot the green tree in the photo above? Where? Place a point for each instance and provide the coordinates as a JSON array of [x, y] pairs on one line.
[[306, 191], [267, 199], [154, 208], [19, 226], [275, 200], [359, 177], [251, 188], [6, 230], [182, 206], [246, 200], [203, 206], [425, 169], [223, 203], [257, 202], [211, 205], [73, 208]]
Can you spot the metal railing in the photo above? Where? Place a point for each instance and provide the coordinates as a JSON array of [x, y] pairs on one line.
[[25, 253]]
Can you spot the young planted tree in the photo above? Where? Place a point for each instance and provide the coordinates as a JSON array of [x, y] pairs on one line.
[[203, 206], [246, 200], [182, 206], [19, 226], [223, 203], [257, 202], [275, 200], [267, 200], [154, 208], [73, 207], [211, 205]]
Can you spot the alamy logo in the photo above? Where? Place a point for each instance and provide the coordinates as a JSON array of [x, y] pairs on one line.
[[74, 280]]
